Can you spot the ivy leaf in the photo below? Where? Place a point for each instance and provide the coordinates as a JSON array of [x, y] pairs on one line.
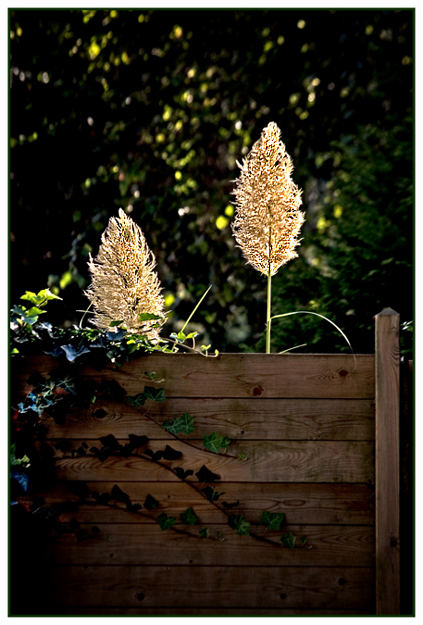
[[150, 502], [148, 317], [39, 298], [120, 495], [240, 524], [110, 441], [289, 540], [189, 517], [138, 441], [165, 521], [101, 498], [211, 493], [204, 532], [273, 520], [81, 490], [182, 474], [21, 478], [171, 454], [184, 424], [205, 475], [231, 505], [114, 324], [133, 507], [156, 394], [154, 455], [73, 353], [215, 442], [137, 400]]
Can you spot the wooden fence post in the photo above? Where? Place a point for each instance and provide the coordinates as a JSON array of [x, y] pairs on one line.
[[387, 463]]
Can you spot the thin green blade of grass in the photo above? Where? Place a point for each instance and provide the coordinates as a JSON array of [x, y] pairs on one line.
[[196, 308], [309, 312]]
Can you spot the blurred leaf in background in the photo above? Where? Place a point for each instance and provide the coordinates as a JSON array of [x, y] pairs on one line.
[[149, 110]]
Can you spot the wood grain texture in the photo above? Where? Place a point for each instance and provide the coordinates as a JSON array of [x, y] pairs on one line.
[[195, 586], [302, 503], [212, 611], [243, 419], [235, 375], [306, 426], [144, 545], [267, 461], [387, 463]]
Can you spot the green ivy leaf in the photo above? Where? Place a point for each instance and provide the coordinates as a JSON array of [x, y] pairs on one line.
[[165, 521], [289, 540], [40, 298], [136, 400], [189, 517], [215, 442], [273, 520], [148, 317], [204, 532], [114, 324], [155, 394], [184, 424], [240, 524]]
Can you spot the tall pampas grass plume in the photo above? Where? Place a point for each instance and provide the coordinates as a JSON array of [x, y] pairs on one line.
[[124, 286], [267, 218]]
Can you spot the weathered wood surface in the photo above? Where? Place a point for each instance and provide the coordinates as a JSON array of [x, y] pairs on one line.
[[306, 426], [387, 463], [236, 375], [148, 545], [302, 503], [244, 419], [196, 586], [267, 461], [212, 611]]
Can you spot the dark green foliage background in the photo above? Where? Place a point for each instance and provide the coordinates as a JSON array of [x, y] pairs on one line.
[[150, 109]]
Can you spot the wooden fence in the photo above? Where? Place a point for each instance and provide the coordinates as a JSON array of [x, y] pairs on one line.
[[312, 436]]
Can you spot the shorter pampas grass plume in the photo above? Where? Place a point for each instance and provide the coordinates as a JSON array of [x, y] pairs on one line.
[[124, 286], [267, 219]]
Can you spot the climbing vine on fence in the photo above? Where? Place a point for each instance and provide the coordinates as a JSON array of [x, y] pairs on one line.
[[32, 457]]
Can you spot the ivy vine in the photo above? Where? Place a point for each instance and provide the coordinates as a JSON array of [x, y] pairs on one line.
[[32, 458]]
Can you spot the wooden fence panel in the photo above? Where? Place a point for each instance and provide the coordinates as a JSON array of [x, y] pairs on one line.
[[302, 432]]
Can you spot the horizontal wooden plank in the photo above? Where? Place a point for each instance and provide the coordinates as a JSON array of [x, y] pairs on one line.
[[301, 503], [244, 419], [266, 461], [140, 544], [235, 375], [196, 586], [212, 611]]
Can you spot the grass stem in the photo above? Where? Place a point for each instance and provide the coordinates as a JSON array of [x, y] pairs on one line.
[[268, 313]]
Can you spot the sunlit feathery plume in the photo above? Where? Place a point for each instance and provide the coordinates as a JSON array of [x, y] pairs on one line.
[[124, 284], [267, 219]]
